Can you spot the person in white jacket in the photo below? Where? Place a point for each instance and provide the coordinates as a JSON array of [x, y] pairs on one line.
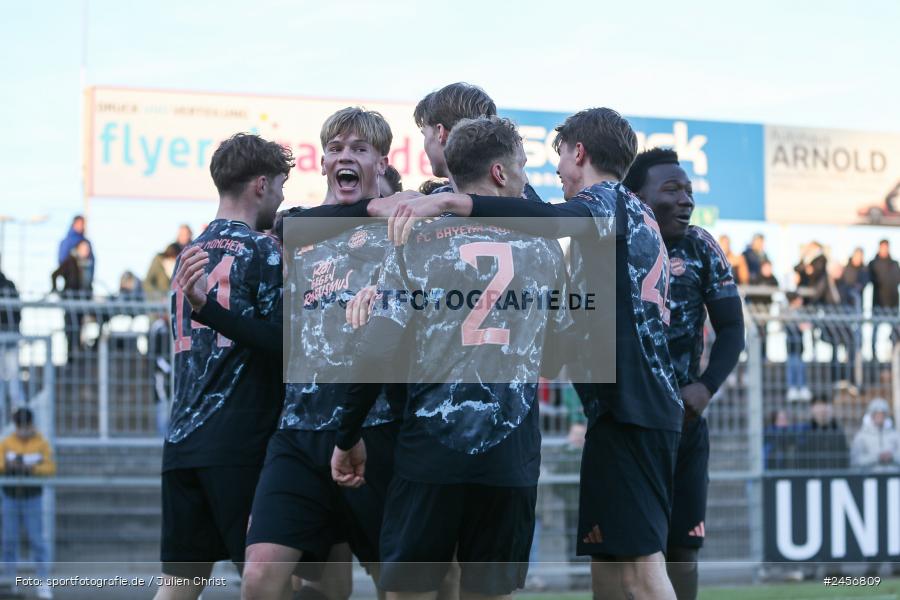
[[877, 444]]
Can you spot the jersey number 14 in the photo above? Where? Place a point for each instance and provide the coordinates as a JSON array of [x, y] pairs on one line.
[[219, 277]]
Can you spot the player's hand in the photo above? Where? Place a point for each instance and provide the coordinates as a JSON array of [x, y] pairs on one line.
[[348, 467], [696, 398], [384, 207], [359, 309], [191, 276]]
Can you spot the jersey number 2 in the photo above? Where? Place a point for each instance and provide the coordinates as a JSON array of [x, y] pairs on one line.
[[471, 334], [220, 276]]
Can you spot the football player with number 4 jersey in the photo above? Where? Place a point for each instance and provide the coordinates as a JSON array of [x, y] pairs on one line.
[[226, 396], [701, 282], [468, 451]]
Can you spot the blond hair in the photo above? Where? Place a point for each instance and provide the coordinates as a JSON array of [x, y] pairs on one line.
[[367, 124]]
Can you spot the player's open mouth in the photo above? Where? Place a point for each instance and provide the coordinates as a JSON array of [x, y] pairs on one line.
[[347, 180], [683, 219]]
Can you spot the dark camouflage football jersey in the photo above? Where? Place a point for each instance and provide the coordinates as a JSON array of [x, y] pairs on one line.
[[700, 274], [245, 274], [645, 392], [477, 348], [322, 279]]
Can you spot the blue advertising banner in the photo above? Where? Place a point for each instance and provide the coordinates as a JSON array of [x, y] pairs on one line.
[[723, 160]]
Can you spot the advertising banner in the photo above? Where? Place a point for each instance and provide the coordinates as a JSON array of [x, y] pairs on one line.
[[158, 144], [848, 518], [832, 176]]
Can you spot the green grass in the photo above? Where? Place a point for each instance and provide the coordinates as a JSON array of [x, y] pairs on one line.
[[888, 590]]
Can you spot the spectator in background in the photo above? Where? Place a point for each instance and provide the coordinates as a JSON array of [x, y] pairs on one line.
[[390, 183], [159, 275], [855, 278], [185, 236], [755, 256], [877, 444], [10, 319], [130, 287], [77, 271], [26, 453], [812, 272], [762, 287], [884, 273], [780, 442], [72, 239], [766, 282], [823, 445], [738, 266], [841, 332], [793, 329]]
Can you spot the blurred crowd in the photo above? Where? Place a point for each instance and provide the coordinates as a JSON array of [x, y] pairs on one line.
[[818, 280]]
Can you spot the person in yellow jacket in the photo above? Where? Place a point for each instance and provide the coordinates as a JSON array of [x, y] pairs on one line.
[[26, 453]]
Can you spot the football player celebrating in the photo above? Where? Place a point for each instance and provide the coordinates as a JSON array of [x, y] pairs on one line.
[[628, 461], [468, 452], [226, 395], [701, 283]]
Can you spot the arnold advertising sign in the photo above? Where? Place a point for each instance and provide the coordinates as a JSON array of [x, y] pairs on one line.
[[158, 144], [832, 176], [825, 519]]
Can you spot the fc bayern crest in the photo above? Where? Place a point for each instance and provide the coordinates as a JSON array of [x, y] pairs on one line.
[[677, 266], [358, 239]]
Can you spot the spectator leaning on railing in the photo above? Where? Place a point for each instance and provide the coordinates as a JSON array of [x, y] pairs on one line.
[[26, 453], [877, 444]]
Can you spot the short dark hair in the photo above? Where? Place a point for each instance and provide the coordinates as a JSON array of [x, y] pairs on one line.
[[392, 176], [245, 156], [475, 143], [608, 138], [452, 103], [23, 417], [429, 185], [637, 173], [884, 241]]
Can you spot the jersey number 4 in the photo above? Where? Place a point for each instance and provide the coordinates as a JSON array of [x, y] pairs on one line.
[[471, 334], [219, 277], [650, 285]]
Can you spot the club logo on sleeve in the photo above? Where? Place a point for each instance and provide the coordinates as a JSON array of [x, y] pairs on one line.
[[358, 239], [676, 265]]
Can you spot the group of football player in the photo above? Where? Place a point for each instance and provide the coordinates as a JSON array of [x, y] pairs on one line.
[[319, 412]]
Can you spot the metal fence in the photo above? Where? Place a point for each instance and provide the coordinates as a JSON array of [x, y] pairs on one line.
[[96, 374]]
